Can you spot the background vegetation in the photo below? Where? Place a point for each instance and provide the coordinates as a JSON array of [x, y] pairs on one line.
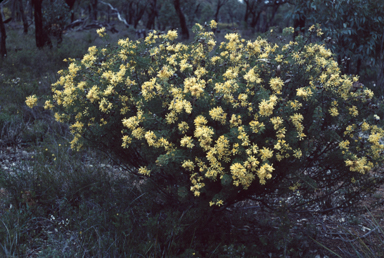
[[57, 202]]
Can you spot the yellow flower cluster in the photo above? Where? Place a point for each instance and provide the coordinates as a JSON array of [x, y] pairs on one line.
[[228, 108], [31, 101], [101, 32]]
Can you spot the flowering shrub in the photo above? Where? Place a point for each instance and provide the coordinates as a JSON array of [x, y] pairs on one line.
[[221, 123]]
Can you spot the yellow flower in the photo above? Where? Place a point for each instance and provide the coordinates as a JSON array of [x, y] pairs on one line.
[[165, 73], [101, 32], [266, 106], [171, 117], [241, 176], [93, 94], [358, 165], [255, 126], [219, 203], [213, 24], [265, 153], [187, 141], [184, 65], [333, 111], [31, 101], [251, 76], [279, 58], [235, 120], [150, 137], [265, 173], [200, 120], [48, 105], [183, 127], [188, 165], [353, 111], [297, 153], [218, 114], [171, 35], [344, 144], [304, 93], [126, 141], [368, 93], [276, 85], [295, 105], [105, 105], [364, 126], [144, 171], [276, 121], [138, 133]]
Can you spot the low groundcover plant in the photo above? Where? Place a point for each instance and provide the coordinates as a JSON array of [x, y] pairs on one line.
[[213, 124]]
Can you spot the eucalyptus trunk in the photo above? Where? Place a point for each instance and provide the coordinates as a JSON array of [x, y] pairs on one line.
[[183, 22]]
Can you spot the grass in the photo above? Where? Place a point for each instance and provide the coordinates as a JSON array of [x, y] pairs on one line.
[[60, 203]]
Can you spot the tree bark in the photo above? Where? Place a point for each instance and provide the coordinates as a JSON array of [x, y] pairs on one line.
[[220, 4], [270, 21], [93, 10], [183, 22], [14, 12], [41, 36], [70, 4], [255, 19], [3, 49], [380, 76], [139, 14], [152, 15], [23, 17], [299, 25]]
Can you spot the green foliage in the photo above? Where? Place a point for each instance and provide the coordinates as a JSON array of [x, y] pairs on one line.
[[353, 29], [168, 18], [56, 15]]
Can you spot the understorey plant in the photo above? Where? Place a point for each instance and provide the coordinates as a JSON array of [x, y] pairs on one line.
[[208, 125]]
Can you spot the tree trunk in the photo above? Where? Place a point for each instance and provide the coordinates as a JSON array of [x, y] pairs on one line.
[[3, 49], [152, 15], [93, 10], [299, 25], [129, 14], [70, 4], [14, 13], [220, 4], [23, 17], [41, 36], [270, 21], [380, 76], [139, 14], [255, 19], [183, 22], [246, 15], [30, 10]]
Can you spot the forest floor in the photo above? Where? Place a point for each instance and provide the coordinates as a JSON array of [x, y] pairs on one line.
[[341, 235]]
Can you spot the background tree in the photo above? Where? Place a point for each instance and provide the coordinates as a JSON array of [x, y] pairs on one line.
[[183, 21], [354, 29], [17, 14], [167, 16], [71, 4], [219, 4], [134, 11], [93, 10], [42, 38], [151, 14], [56, 16], [261, 13], [3, 48], [232, 12]]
